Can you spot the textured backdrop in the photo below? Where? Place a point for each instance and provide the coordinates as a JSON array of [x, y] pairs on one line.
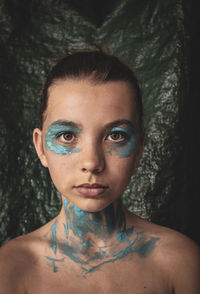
[[152, 37]]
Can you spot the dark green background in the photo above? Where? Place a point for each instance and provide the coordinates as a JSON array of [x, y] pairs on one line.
[[157, 38]]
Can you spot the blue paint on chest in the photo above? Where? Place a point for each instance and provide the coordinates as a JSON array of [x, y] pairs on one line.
[[145, 249], [53, 133], [54, 260]]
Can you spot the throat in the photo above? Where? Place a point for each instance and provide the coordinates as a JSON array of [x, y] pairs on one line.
[[89, 232], [89, 238], [92, 239], [96, 227]]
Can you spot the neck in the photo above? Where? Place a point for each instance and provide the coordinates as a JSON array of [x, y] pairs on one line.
[[92, 239], [89, 237], [99, 227]]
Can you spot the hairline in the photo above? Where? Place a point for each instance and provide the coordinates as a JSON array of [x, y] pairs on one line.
[[94, 81]]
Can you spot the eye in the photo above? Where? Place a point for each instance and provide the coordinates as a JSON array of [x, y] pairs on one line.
[[117, 137], [66, 137]]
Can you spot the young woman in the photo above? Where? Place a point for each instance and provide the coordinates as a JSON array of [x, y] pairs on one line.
[[91, 139]]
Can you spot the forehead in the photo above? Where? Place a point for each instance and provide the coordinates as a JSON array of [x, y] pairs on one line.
[[84, 101]]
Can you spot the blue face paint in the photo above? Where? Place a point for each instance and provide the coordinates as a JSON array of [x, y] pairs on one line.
[[126, 148], [54, 131]]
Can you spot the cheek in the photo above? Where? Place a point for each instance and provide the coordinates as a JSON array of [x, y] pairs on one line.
[[121, 170], [125, 150], [60, 168]]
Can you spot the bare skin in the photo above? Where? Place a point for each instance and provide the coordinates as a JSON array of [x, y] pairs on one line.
[[95, 245], [172, 267]]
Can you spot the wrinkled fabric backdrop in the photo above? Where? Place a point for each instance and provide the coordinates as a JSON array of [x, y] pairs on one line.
[[152, 37]]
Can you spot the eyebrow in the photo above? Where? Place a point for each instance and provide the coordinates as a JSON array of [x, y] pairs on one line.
[[119, 122], [67, 123], [107, 126]]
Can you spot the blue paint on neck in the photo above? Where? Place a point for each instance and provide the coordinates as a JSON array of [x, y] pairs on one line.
[[80, 247], [123, 233], [82, 222], [53, 132], [53, 243]]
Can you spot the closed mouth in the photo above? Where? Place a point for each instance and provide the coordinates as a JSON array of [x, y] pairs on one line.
[[92, 186], [91, 190]]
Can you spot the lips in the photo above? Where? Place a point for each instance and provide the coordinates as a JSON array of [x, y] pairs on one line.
[[91, 190]]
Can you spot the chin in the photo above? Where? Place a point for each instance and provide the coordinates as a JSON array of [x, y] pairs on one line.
[[93, 205]]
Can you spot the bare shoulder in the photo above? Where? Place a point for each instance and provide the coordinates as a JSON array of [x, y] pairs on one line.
[[15, 258], [18, 258], [176, 248], [169, 240], [181, 258], [178, 256]]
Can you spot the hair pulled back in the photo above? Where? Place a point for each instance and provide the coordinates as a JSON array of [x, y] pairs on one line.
[[97, 66]]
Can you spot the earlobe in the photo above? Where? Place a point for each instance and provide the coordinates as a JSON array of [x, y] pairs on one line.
[[38, 143]]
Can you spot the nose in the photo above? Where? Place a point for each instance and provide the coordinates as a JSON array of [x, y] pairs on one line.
[[92, 159]]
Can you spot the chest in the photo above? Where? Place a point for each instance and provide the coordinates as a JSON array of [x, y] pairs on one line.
[[129, 277]]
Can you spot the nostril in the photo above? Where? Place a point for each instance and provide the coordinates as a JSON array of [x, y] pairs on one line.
[[95, 171], [91, 161]]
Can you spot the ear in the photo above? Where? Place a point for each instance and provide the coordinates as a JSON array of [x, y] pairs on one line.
[[140, 149], [38, 143]]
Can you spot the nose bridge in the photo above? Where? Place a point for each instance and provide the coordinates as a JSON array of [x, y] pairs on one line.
[[92, 155]]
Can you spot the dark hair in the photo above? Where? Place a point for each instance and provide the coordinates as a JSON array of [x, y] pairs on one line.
[[99, 67]]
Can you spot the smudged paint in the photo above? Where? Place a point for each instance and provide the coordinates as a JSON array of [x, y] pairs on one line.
[[53, 242], [123, 233], [53, 132], [79, 225], [71, 252], [145, 249], [66, 230], [122, 236], [78, 245], [54, 260], [125, 149]]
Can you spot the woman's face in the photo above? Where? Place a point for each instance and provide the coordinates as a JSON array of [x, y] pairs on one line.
[[90, 141]]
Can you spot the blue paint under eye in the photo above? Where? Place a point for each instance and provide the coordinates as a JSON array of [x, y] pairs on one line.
[[52, 134], [125, 149]]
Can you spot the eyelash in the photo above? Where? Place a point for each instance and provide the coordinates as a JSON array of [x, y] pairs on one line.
[[61, 137], [124, 137]]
